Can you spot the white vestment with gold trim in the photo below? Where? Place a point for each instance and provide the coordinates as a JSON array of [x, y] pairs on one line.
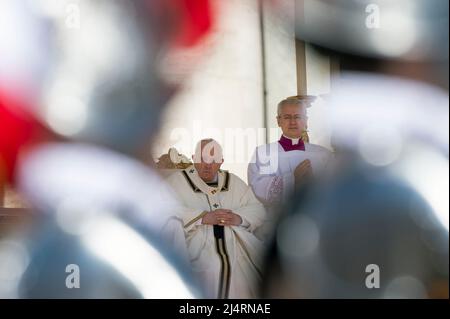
[[226, 259]]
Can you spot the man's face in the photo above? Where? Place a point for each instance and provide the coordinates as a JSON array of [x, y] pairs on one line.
[[209, 163], [292, 120]]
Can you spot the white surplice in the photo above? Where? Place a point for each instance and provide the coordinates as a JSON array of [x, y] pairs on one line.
[[226, 259], [271, 170]]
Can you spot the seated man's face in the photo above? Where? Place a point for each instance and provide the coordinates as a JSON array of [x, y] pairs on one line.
[[209, 164], [292, 120]]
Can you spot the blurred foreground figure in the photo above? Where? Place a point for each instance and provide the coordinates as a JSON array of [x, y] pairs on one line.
[[377, 226], [104, 224]]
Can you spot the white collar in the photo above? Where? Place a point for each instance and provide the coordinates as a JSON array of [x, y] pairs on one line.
[[295, 141]]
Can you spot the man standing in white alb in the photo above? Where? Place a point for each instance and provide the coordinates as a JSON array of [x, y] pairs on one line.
[[277, 168]]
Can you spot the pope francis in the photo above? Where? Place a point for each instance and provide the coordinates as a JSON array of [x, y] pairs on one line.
[[220, 213]]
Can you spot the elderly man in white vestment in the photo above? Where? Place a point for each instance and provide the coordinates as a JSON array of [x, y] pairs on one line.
[[220, 213], [278, 168]]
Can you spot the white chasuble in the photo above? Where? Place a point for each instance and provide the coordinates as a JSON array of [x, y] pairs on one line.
[[226, 259]]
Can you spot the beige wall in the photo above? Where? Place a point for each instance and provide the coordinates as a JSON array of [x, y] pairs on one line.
[[9, 198]]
